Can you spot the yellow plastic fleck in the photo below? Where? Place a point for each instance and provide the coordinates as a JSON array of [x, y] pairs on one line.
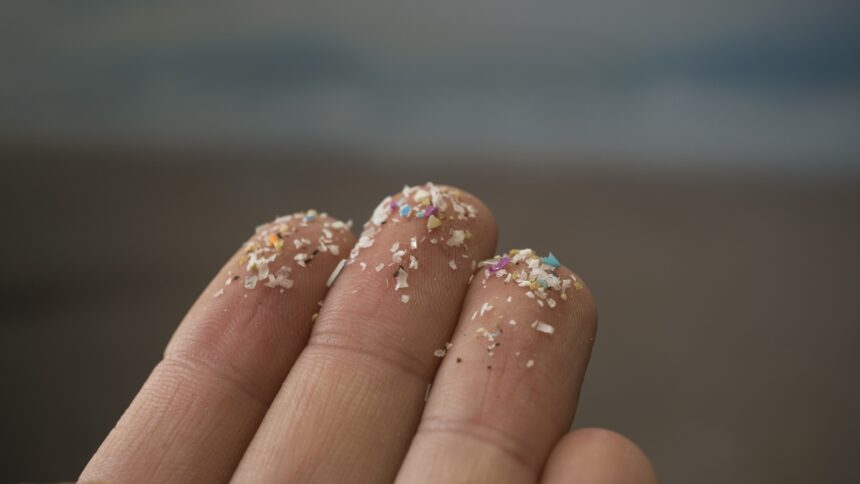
[[276, 242], [433, 222]]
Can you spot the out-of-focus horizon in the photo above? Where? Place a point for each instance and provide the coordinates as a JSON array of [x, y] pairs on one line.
[[770, 83], [696, 162]]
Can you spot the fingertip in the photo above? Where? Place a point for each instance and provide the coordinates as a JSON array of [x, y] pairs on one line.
[[598, 455], [527, 279], [443, 202], [580, 299], [280, 273], [485, 220], [284, 230]]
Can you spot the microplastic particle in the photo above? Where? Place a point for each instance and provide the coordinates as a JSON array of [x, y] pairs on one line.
[[485, 308], [543, 327], [433, 222], [503, 261], [457, 238], [551, 260], [400, 278], [335, 273]]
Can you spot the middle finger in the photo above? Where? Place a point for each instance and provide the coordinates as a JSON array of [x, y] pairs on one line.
[[350, 406]]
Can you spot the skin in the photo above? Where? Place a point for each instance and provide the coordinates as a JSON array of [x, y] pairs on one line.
[[265, 385]]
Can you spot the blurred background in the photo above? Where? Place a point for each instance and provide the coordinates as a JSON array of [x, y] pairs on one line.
[[697, 162]]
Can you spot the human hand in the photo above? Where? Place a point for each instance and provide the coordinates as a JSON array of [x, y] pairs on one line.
[[274, 377]]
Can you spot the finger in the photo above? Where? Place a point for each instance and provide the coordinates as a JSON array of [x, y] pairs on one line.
[[199, 408], [596, 455], [507, 389], [348, 409]]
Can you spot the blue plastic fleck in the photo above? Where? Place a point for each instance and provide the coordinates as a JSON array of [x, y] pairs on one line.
[[551, 260]]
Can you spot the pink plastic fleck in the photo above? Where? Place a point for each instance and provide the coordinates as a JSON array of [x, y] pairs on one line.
[[505, 260]]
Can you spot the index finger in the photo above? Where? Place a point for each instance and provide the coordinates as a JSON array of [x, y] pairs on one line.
[[201, 405]]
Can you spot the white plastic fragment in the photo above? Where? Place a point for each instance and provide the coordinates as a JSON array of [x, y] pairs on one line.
[[543, 327], [301, 259], [400, 279], [280, 278], [457, 238], [486, 307], [335, 273]]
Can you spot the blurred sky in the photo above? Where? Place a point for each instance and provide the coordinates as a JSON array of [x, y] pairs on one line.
[[752, 81]]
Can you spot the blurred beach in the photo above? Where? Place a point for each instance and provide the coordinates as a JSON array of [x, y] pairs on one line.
[[697, 163]]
